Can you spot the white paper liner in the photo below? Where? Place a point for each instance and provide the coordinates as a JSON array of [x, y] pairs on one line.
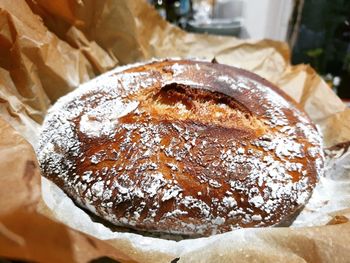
[[331, 194]]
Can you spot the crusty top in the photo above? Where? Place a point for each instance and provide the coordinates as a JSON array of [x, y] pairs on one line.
[[183, 147]]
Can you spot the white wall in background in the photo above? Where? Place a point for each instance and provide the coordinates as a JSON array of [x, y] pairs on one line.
[[228, 8], [266, 19]]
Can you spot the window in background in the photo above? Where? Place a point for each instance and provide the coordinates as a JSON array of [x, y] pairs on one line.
[[323, 40]]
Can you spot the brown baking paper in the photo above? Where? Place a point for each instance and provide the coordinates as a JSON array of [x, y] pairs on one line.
[[48, 48], [27, 231]]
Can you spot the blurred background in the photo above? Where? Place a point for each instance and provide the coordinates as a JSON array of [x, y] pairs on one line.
[[317, 31]]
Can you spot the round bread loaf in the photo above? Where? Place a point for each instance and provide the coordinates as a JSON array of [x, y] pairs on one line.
[[182, 147]]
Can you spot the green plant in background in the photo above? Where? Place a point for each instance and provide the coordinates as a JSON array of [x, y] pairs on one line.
[[315, 55], [323, 41], [319, 43]]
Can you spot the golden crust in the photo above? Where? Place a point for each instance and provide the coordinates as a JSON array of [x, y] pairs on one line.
[[182, 147]]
